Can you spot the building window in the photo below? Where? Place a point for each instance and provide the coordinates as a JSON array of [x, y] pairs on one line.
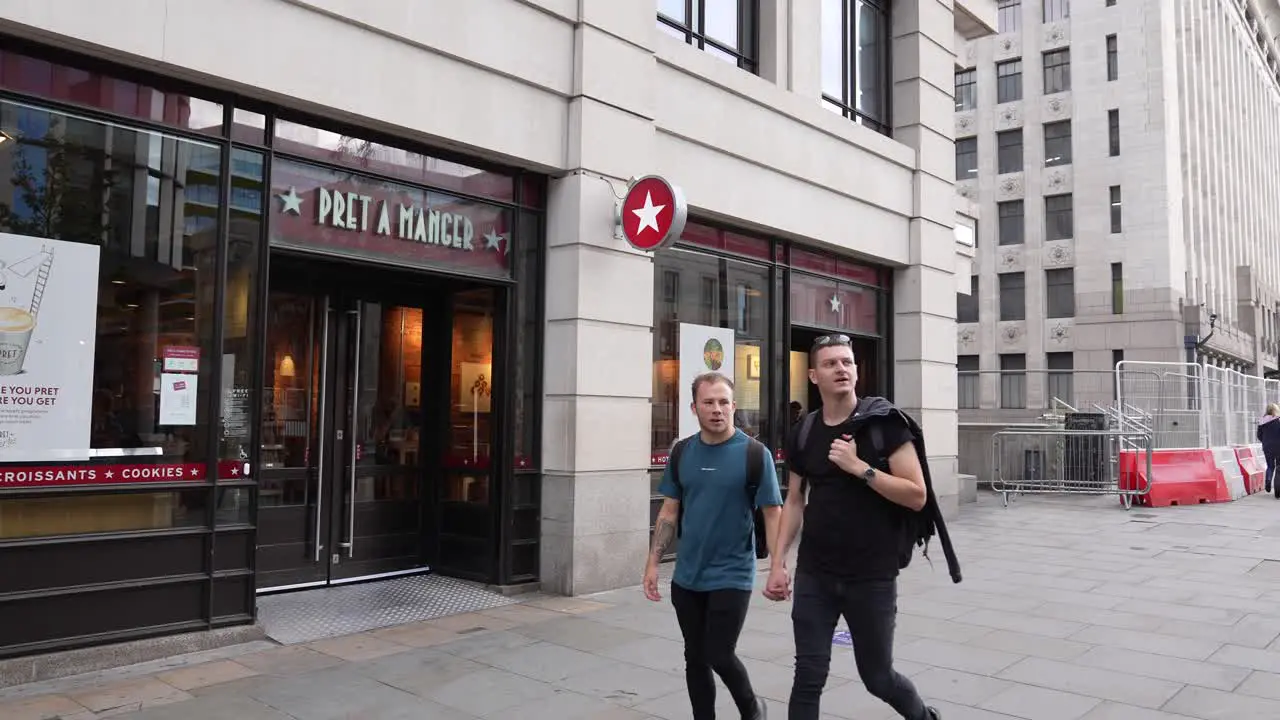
[[966, 158], [1009, 151], [1009, 15], [1115, 209], [968, 382], [726, 29], [113, 243], [1057, 143], [1113, 59], [1009, 81], [855, 61], [1013, 381], [1117, 289], [1060, 292], [1059, 217], [1055, 10], [1059, 382], [1013, 296], [966, 89], [1111, 2], [967, 305], [1113, 131], [729, 294], [1117, 357], [1012, 222], [1057, 71]]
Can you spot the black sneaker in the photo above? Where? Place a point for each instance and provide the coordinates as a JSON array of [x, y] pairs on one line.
[[933, 713]]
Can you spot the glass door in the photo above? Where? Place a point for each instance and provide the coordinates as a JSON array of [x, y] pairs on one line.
[[378, 521]]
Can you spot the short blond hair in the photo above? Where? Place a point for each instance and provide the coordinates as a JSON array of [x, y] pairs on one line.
[[1273, 409]]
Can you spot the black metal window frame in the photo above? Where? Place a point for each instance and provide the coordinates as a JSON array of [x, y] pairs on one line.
[[967, 306], [222, 569], [1009, 151], [966, 158], [1057, 71], [1117, 225], [1008, 16], [849, 83], [1009, 81], [1117, 288], [1013, 296], [1012, 218], [1059, 217], [1113, 131], [1057, 143], [747, 55], [966, 89], [1060, 292], [1056, 10], [1060, 380], [1013, 381], [1113, 59], [968, 382]]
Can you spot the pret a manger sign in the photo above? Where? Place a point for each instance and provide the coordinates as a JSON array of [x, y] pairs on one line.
[[333, 212], [352, 211]]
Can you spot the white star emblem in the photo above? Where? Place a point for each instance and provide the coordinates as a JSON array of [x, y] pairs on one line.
[[110, 474], [493, 241], [648, 214], [292, 202], [834, 302], [235, 471], [195, 472]]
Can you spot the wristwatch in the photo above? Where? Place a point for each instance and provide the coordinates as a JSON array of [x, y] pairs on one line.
[[868, 475]]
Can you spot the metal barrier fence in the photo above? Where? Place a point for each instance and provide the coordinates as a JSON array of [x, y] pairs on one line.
[[1165, 400], [1235, 401], [1076, 462]]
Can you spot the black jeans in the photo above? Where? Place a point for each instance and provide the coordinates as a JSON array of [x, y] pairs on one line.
[[870, 608], [1271, 472], [711, 623]]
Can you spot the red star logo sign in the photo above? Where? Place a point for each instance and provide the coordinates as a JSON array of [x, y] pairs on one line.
[[653, 213]]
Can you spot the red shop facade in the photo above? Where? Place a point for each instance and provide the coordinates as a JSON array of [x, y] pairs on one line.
[[763, 301], [246, 350]]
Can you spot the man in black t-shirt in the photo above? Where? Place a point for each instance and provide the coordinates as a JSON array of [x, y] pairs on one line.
[[851, 487]]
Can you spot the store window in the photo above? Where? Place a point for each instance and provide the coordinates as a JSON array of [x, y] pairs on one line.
[[710, 314], [113, 233]]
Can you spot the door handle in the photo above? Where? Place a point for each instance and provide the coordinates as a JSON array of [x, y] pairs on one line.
[[324, 392], [350, 544]]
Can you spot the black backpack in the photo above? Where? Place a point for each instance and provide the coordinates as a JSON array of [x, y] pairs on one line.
[[756, 457], [918, 526]]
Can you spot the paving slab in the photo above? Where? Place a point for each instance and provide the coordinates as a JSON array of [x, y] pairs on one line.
[[1071, 609]]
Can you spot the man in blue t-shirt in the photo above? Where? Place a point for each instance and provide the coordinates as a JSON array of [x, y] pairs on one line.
[[716, 564]]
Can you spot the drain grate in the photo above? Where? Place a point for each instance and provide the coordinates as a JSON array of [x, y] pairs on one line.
[[291, 618]]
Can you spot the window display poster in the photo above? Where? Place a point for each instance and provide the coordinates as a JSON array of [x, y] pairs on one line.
[[48, 330], [178, 399], [702, 349]]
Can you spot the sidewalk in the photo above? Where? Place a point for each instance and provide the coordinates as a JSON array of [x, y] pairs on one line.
[[1070, 609]]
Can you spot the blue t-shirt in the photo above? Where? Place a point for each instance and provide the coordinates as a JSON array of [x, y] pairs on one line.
[[717, 540]]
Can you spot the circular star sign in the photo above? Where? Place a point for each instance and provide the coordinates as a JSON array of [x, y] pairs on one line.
[[653, 213]]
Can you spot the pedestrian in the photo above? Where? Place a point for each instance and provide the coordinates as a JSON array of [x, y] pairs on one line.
[[713, 484], [1269, 436], [857, 483]]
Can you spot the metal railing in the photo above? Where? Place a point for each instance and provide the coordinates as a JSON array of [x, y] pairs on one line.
[[1062, 461]]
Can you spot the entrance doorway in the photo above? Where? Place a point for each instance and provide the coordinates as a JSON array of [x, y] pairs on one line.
[[803, 397], [358, 417]]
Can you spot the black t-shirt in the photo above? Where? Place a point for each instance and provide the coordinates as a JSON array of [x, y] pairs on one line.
[[851, 532]]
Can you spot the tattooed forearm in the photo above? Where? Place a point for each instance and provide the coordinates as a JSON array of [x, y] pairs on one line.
[[663, 533]]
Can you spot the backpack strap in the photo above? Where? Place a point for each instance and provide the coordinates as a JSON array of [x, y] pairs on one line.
[[673, 465], [794, 461], [755, 469]]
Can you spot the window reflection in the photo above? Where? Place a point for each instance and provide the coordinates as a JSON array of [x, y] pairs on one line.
[[48, 516], [351, 151], [471, 393], [855, 65], [293, 377], [692, 287], [723, 28]]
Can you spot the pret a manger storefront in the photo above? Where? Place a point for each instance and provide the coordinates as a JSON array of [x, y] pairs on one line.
[[243, 350]]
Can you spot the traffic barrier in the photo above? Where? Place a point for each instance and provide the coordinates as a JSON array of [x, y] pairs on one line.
[[1225, 459], [1253, 468], [1178, 477]]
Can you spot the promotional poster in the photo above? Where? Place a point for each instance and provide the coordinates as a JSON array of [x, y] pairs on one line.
[[48, 328], [702, 349]]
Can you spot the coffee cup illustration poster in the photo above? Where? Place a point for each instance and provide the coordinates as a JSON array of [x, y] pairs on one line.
[[48, 328], [702, 349]]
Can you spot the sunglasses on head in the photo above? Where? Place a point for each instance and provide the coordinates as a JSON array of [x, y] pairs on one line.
[[831, 340]]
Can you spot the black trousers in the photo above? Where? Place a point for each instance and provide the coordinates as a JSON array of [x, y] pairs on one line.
[[870, 609], [1271, 473], [711, 623]]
